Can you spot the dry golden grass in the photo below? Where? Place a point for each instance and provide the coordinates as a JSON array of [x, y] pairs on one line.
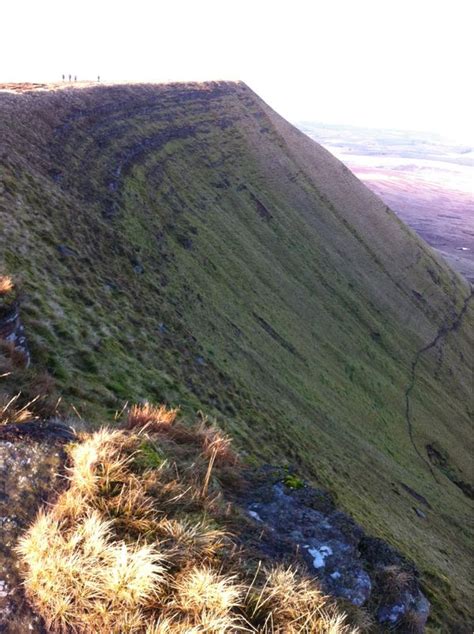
[[100, 460], [6, 284], [217, 445], [332, 622], [79, 576], [286, 602], [162, 421], [284, 599], [30, 394], [131, 507], [151, 417], [10, 414], [202, 591], [394, 580], [191, 540], [205, 624], [119, 552]]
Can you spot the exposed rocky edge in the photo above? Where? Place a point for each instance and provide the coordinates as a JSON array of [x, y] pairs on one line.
[[292, 518], [12, 330], [288, 521], [31, 456]]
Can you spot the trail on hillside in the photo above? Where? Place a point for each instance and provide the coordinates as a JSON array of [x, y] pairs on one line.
[[442, 332]]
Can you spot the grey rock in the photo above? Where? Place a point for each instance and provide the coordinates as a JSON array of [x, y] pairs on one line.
[[30, 459], [329, 551], [391, 613], [12, 330], [421, 606], [335, 549]]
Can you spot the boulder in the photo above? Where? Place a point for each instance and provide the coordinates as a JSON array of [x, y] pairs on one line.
[[294, 518]]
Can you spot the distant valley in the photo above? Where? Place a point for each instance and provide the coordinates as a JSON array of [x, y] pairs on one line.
[[425, 179]]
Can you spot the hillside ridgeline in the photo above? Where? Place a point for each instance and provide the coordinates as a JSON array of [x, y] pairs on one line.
[[185, 244]]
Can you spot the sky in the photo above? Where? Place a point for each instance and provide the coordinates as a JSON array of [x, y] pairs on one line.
[[403, 64]]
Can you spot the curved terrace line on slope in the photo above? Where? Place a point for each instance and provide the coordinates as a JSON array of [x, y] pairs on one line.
[[442, 332]]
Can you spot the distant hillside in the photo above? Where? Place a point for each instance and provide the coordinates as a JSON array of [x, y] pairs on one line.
[[425, 179], [185, 244]]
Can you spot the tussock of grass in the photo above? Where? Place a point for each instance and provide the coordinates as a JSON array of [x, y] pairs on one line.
[[11, 413], [201, 592], [11, 358], [217, 444], [286, 596], [25, 388], [150, 416], [99, 459], [394, 580], [81, 578], [412, 622], [195, 540], [127, 548], [158, 420], [287, 602], [6, 284]]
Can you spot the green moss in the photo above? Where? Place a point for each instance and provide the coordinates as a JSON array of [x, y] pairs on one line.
[[149, 456], [293, 481]]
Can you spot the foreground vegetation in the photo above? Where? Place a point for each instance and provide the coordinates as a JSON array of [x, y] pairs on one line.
[[137, 542]]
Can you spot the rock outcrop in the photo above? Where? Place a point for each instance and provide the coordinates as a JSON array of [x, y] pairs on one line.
[[296, 519], [12, 330], [31, 457]]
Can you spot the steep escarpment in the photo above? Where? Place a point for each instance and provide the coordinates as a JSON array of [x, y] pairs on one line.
[[183, 243]]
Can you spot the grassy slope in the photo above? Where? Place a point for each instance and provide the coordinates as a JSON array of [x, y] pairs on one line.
[[221, 260]]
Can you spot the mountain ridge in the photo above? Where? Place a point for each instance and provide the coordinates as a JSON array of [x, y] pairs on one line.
[[184, 243]]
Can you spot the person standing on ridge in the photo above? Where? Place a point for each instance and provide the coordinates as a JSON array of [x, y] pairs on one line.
[[64, 77], [75, 77], [98, 78], [69, 77]]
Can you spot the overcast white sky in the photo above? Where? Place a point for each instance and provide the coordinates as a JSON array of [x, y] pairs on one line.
[[379, 63]]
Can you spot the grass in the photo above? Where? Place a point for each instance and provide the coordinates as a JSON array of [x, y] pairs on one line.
[[6, 284], [11, 413], [150, 416], [80, 580], [293, 481], [295, 333], [118, 551], [394, 580]]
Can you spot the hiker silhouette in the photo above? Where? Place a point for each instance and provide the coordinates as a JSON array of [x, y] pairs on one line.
[[64, 77], [75, 77], [98, 77], [69, 77]]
